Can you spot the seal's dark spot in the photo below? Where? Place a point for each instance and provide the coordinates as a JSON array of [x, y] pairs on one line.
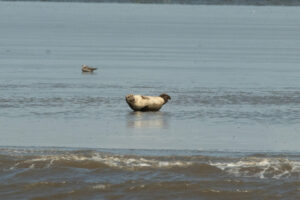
[[143, 97], [146, 108]]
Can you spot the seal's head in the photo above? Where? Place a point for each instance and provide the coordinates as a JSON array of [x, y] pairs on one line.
[[130, 98], [165, 97], [130, 101]]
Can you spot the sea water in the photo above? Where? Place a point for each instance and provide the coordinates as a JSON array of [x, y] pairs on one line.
[[230, 130]]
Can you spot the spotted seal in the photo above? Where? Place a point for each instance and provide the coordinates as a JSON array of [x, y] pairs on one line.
[[146, 103]]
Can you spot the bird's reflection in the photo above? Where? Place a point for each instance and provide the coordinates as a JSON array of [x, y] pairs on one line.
[[147, 120], [88, 73]]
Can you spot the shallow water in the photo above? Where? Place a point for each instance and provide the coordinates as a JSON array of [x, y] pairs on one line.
[[232, 72], [231, 129]]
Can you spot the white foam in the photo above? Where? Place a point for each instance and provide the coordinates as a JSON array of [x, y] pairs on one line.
[[264, 167], [116, 161], [31, 166], [100, 187], [248, 167], [215, 191]]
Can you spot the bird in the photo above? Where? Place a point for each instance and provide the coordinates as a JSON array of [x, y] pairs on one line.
[[146, 103], [86, 68]]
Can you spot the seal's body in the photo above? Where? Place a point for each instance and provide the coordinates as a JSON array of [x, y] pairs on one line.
[[146, 103], [85, 68]]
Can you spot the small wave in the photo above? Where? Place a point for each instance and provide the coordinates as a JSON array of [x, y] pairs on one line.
[[261, 167], [231, 97], [198, 165], [95, 161], [117, 174], [54, 101]]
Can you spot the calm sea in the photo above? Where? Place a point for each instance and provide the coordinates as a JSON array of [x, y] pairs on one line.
[[230, 131]]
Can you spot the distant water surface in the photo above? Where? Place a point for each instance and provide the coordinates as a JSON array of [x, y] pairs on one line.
[[232, 72]]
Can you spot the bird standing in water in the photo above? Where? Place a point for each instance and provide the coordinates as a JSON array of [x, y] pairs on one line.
[[86, 68]]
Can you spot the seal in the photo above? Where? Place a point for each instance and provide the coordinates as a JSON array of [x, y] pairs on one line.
[[146, 103], [85, 68]]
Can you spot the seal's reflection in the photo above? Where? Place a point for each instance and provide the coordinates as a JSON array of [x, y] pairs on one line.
[[147, 120]]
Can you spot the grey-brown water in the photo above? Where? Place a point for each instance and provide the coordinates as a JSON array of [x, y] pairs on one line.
[[231, 129], [28, 173]]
